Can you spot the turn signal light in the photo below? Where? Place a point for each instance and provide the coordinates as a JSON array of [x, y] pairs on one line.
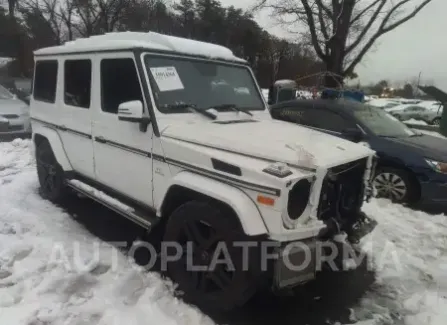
[[266, 200]]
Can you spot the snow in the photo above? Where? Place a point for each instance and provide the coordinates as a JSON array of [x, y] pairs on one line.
[[53, 271], [416, 122], [149, 41], [265, 93], [101, 195], [432, 133]]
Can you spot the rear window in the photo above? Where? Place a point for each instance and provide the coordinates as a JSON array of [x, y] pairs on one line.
[[45, 81]]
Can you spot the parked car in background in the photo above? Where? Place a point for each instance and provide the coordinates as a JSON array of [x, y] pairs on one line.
[[417, 112], [21, 87], [384, 103], [412, 167], [14, 116]]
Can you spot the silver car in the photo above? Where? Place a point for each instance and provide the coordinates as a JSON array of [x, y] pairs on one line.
[[14, 116], [407, 112]]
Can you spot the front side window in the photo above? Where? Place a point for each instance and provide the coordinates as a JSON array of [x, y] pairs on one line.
[[178, 82], [119, 83], [45, 81]]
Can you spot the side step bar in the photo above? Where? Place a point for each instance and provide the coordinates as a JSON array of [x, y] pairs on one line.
[[110, 202]]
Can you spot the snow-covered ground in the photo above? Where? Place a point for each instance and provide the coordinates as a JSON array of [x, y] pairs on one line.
[[415, 122], [50, 272]]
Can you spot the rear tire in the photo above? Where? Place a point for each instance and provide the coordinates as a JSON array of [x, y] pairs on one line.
[[208, 227], [50, 173], [396, 185]]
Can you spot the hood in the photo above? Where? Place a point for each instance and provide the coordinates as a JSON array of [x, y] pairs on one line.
[[12, 106], [425, 145], [271, 140]]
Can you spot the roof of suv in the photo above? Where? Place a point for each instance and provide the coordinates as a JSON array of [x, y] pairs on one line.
[[150, 41]]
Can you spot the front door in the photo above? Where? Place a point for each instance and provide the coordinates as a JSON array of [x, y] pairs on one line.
[[122, 152]]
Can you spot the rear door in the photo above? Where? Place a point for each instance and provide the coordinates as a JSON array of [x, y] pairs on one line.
[[61, 97], [76, 122]]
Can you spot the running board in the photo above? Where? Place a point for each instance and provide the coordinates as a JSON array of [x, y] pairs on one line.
[[109, 201]]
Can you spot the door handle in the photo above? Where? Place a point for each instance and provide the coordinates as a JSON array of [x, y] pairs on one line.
[[100, 139]]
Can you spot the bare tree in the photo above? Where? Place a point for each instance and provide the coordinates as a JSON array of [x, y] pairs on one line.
[[343, 31]]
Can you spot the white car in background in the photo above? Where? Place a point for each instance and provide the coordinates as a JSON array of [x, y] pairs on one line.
[[417, 112], [384, 103], [14, 116]]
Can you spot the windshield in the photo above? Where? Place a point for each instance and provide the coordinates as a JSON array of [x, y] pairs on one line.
[[5, 94], [380, 122], [204, 84]]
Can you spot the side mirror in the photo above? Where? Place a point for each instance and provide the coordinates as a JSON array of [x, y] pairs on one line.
[[132, 111], [353, 134]]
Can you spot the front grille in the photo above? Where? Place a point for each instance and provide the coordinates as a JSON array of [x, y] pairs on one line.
[[10, 116], [342, 192]]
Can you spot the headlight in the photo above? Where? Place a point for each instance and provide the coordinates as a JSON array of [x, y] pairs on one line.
[[440, 167]]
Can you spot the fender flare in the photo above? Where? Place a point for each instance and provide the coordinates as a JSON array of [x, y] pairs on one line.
[[56, 145], [246, 210]]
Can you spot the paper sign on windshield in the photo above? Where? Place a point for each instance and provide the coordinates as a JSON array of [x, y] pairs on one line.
[[167, 78]]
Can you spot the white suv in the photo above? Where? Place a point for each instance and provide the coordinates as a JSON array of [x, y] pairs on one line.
[[176, 133]]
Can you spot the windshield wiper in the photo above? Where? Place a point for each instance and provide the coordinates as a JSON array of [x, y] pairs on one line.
[[233, 107], [194, 107]]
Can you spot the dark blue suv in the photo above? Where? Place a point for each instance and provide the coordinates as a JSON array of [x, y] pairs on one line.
[[412, 167]]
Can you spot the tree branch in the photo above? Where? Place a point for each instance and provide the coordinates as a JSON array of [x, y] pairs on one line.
[[367, 27], [383, 29], [313, 32], [323, 26], [365, 10]]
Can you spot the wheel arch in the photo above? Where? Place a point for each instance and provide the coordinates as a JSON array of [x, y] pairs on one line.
[[187, 186], [53, 138]]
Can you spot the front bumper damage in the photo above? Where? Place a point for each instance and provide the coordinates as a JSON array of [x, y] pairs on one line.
[[341, 199], [299, 261]]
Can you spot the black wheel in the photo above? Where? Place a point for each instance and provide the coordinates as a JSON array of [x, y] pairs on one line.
[[207, 233], [436, 121], [50, 173], [395, 184]]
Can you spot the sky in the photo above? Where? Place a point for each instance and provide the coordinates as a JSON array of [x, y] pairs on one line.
[[418, 46]]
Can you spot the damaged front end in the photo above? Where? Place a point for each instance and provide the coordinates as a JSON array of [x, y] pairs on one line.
[[343, 191]]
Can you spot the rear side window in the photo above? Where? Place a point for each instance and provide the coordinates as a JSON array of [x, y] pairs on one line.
[[119, 83], [45, 81], [77, 81]]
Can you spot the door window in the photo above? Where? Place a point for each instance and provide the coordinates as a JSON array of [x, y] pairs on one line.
[[45, 81], [119, 83], [78, 81]]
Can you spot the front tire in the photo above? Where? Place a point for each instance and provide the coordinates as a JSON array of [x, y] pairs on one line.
[[210, 231], [50, 173], [396, 185]]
